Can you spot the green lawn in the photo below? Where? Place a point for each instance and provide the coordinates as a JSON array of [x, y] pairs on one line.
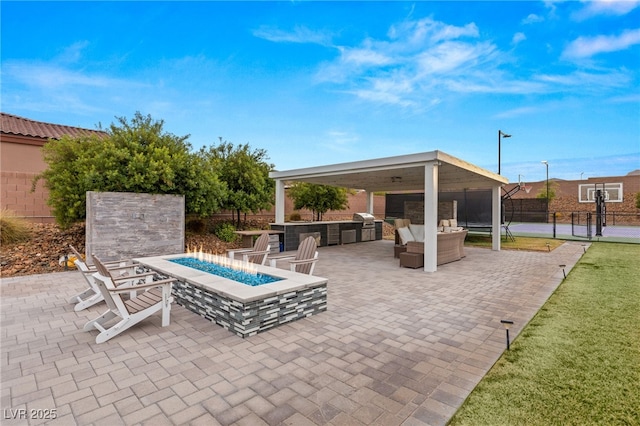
[[578, 361]]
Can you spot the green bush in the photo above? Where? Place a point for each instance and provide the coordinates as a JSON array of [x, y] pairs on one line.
[[226, 232], [12, 228], [133, 156]]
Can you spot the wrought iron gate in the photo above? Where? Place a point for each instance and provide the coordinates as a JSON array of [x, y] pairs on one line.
[[581, 225]]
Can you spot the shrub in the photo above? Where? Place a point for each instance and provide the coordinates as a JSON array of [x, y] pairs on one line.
[[134, 156], [13, 229], [295, 216], [226, 232]]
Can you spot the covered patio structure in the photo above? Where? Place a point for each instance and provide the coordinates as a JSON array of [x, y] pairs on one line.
[[429, 172]]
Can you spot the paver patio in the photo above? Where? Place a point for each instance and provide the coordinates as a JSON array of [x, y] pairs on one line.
[[396, 347]]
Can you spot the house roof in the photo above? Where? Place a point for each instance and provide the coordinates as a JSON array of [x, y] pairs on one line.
[[20, 126], [404, 172]]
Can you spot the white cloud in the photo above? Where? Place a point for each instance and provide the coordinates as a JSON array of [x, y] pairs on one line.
[[630, 98], [299, 34], [52, 76], [73, 53], [584, 47], [418, 58], [605, 7], [365, 56], [518, 112], [532, 18], [586, 80], [417, 33], [518, 37]]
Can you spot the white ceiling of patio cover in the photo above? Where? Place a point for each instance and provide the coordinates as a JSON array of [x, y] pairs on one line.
[[401, 173]]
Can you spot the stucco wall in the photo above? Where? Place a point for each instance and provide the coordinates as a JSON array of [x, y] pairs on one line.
[[20, 157], [126, 225]]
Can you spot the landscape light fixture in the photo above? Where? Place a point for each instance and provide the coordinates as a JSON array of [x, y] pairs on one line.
[[501, 135], [563, 272], [507, 324], [546, 163]]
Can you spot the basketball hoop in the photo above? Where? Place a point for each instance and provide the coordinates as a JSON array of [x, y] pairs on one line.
[[525, 188]]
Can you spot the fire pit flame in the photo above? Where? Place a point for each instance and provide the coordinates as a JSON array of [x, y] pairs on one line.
[[236, 265]]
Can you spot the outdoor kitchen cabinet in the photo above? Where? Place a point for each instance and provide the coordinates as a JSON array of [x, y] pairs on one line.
[[333, 234], [325, 231]]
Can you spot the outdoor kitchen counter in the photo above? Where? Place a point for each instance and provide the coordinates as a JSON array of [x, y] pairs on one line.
[[328, 232]]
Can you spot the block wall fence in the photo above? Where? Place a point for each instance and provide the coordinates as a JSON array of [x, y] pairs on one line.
[[16, 196]]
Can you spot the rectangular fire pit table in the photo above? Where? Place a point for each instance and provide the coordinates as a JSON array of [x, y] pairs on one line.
[[241, 308]]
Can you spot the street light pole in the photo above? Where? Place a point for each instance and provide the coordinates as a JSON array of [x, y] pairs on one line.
[[501, 135], [546, 163]]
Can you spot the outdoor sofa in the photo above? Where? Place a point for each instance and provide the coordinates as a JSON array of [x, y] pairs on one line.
[[411, 236]]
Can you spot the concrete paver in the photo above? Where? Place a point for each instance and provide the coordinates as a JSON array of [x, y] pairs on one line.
[[396, 346]]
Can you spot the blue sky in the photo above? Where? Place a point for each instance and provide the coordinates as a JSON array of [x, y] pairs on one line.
[[316, 83]]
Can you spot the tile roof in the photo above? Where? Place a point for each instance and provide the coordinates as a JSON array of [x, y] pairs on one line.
[[13, 124]]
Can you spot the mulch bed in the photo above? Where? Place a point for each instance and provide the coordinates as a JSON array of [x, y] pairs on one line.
[[41, 254]]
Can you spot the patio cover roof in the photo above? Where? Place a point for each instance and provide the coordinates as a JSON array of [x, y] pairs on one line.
[[400, 173], [428, 172]]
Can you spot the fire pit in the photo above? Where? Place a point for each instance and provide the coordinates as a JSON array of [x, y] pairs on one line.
[[244, 309], [242, 272]]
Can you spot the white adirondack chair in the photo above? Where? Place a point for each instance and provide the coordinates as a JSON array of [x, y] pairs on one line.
[[257, 254], [304, 260], [92, 295], [153, 296]]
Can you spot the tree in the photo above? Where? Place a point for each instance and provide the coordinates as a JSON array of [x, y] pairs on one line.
[[542, 194], [318, 198], [246, 174], [136, 156]]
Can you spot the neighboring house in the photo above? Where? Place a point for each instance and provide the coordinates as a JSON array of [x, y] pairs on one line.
[[21, 140]]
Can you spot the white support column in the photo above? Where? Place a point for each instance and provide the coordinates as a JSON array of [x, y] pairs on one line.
[[431, 217], [280, 195], [496, 218], [370, 202]]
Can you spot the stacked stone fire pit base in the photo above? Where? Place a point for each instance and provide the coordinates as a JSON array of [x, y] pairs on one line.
[[243, 309], [247, 319]]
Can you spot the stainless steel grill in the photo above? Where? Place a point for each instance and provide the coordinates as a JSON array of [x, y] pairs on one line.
[[368, 226], [366, 219]]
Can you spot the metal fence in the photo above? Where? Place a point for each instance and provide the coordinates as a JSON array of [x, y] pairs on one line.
[[615, 227]]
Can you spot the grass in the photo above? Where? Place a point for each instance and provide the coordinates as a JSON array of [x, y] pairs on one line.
[[520, 243], [578, 361], [13, 229]]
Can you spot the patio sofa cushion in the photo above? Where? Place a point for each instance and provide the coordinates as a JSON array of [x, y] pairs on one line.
[[417, 231], [405, 235]]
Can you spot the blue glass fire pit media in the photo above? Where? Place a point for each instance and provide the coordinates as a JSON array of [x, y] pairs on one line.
[[225, 272]]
